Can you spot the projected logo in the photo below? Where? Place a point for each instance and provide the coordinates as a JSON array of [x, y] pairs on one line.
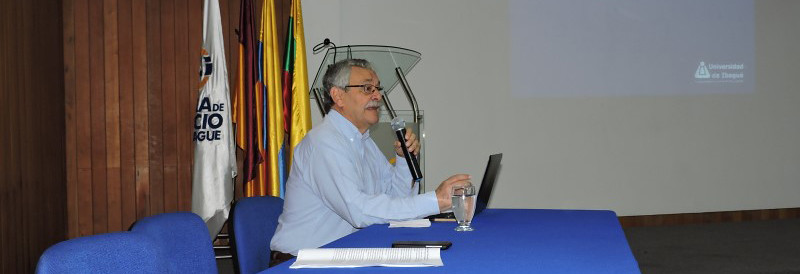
[[719, 73], [702, 71]]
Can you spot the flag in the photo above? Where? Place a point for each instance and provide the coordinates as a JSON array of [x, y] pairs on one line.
[[272, 111], [297, 109], [214, 155], [269, 79], [248, 106]]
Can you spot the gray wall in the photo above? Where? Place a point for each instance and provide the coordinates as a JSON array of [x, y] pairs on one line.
[[635, 155]]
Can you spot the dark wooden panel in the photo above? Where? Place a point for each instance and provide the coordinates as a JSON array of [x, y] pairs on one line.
[[112, 122], [12, 176], [98, 121], [26, 133], [183, 107], [154, 107], [126, 115], [45, 166], [5, 142], [710, 217], [83, 117], [32, 153], [71, 143], [5, 138], [140, 107], [5, 200], [169, 129]]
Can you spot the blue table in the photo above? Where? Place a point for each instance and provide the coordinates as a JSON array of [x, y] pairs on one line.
[[507, 241]]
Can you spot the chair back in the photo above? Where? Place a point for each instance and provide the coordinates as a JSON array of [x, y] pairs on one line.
[[118, 252], [183, 240], [253, 222]]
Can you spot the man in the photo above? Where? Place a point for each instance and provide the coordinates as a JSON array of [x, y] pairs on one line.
[[339, 180]]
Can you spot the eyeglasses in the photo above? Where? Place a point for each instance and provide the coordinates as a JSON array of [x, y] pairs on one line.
[[366, 89]]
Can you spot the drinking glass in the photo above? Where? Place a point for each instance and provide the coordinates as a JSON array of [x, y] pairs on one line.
[[464, 206]]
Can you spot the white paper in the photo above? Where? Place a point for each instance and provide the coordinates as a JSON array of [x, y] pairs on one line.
[[360, 257], [411, 223]]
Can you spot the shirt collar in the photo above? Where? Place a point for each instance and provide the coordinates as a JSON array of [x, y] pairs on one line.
[[346, 127]]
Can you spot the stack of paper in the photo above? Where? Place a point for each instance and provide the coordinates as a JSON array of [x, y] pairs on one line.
[[359, 257], [411, 223]]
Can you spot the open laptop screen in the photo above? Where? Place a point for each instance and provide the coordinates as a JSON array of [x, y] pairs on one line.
[[487, 184]]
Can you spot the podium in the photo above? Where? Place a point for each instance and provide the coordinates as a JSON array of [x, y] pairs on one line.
[[391, 65]]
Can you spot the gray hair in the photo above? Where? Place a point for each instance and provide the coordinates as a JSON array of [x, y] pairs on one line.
[[338, 75]]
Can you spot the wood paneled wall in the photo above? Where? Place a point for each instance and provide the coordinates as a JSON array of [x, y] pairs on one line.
[[110, 86], [32, 212], [131, 89]]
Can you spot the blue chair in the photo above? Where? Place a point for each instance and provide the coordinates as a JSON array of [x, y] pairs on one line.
[[253, 223], [183, 241], [118, 252]]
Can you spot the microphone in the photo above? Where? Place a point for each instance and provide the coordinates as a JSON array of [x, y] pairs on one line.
[[399, 127], [325, 43]]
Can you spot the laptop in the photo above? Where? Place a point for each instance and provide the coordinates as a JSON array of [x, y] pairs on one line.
[[484, 193]]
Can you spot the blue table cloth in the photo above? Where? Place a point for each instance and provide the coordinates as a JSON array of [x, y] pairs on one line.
[[507, 241]]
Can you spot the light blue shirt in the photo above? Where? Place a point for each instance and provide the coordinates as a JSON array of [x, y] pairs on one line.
[[339, 182]]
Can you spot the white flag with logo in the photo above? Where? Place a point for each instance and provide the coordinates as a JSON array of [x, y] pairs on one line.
[[214, 154]]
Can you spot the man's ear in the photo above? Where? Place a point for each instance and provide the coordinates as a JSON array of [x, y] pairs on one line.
[[336, 95]]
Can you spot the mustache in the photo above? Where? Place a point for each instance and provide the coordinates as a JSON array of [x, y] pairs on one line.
[[374, 104]]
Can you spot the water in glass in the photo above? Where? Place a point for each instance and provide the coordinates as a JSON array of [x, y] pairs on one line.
[[464, 206]]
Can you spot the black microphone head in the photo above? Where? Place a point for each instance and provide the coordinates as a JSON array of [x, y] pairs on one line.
[[398, 123]]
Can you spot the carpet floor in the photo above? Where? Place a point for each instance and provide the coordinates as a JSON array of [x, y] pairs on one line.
[[745, 247]]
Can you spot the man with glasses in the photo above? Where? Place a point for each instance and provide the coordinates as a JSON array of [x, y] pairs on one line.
[[339, 180]]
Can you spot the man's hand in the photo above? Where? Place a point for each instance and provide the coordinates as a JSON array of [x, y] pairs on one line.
[[411, 142], [443, 192]]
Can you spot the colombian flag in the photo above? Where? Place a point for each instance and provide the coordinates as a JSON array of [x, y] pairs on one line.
[[297, 109]]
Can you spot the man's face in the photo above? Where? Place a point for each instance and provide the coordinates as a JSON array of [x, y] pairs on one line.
[[359, 108]]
